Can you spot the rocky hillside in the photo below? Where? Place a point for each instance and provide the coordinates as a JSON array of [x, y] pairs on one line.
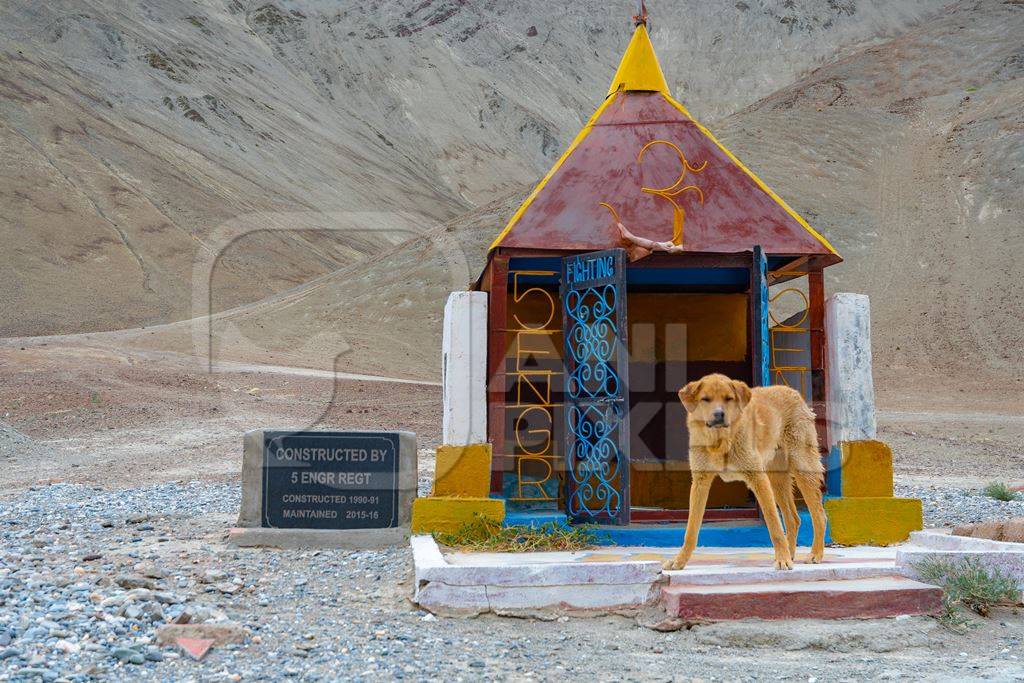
[[323, 176], [153, 150], [910, 155]]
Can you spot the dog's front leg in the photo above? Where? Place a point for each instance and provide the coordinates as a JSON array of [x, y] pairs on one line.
[[762, 488], [699, 488]]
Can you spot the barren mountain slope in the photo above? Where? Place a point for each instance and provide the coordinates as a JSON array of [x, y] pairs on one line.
[[910, 155], [147, 148], [907, 155], [379, 317]]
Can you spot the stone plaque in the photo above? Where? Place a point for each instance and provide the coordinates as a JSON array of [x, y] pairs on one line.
[[343, 489], [330, 480]]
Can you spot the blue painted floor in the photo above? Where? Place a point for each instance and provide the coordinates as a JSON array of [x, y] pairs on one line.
[[738, 534]]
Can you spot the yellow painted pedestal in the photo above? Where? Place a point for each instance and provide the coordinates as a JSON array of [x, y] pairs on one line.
[[430, 515], [462, 482], [867, 469], [463, 471], [872, 521], [867, 513]]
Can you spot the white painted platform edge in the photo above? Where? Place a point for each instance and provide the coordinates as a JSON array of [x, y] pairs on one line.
[[426, 557], [517, 589], [940, 540], [432, 566], [470, 600]]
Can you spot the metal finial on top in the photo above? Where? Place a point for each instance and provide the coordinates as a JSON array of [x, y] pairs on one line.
[[641, 13]]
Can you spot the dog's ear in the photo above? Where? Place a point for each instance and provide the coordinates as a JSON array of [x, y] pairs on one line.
[[688, 395], [742, 392]]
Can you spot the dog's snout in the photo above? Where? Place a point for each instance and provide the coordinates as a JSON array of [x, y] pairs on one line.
[[717, 418]]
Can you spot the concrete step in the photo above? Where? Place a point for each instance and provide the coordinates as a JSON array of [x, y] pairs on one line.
[[866, 598], [829, 571]]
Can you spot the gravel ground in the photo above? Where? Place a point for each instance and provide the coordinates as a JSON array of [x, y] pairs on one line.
[[947, 507], [88, 576]]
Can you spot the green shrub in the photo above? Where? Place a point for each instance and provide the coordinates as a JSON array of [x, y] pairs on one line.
[[967, 583], [1000, 491], [483, 533]]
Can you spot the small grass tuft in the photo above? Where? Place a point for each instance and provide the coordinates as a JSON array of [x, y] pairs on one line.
[[952, 618], [484, 533], [968, 584], [1000, 491]]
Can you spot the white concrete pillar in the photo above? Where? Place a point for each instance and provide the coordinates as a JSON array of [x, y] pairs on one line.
[[464, 369], [851, 390]]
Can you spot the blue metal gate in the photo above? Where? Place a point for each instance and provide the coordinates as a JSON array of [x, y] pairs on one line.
[[597, 394], [759, 304]]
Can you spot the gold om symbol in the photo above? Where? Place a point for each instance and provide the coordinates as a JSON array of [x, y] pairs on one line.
[[676, 189]]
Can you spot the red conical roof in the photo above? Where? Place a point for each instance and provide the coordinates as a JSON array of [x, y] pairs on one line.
[[644, 156]]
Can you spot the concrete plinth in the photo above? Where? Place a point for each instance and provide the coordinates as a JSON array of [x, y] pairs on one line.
[[256, 537], [735, 534], [718, 583]]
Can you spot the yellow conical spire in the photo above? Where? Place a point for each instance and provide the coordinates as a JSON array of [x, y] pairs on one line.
[[639, 68]]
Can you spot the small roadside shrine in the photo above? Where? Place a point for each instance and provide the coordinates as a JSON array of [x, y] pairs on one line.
[[593, 330], [647, 257]]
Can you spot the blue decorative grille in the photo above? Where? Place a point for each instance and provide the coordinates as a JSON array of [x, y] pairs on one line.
[[596, 361], [595, 463], [591, 342]]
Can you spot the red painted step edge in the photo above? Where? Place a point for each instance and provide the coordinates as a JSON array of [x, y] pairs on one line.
[[690, 602]]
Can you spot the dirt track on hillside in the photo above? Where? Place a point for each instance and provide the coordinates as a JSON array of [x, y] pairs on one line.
[[117, 417]]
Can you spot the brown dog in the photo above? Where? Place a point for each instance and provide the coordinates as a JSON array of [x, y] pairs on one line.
[[764, 437]]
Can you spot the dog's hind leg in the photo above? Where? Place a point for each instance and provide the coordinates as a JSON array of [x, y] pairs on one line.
[[809, 484], [782, 487]]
